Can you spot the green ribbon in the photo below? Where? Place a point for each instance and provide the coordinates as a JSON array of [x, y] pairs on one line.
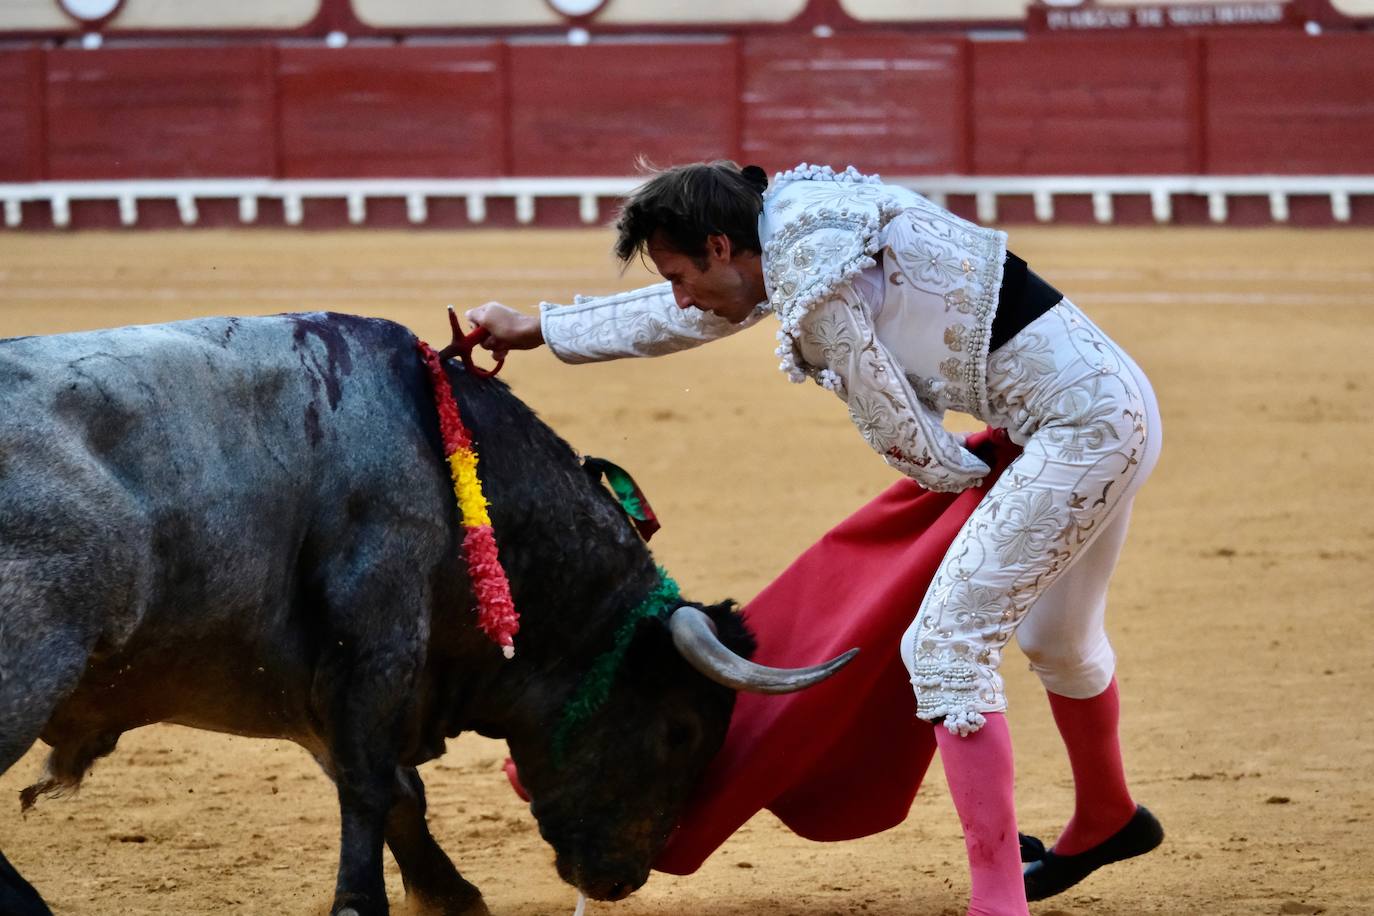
[[626, 493], [596, 684]]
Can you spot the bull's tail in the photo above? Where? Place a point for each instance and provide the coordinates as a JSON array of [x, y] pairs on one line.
[[51, 785], [67, 765]]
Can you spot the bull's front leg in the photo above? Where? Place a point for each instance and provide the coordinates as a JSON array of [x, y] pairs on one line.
[[431, 880], [363, 692], [363, 742], [361, 890]]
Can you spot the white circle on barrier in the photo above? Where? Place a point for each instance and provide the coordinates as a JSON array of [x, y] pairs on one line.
[[89, 10], [576, 7]]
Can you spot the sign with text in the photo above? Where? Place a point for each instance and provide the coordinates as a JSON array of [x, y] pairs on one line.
[[1090, 16]]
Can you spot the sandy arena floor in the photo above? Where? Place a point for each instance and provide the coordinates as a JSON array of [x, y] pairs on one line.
[[1242, 612]]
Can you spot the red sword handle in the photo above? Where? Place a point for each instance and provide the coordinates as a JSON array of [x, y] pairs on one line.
[[462, 346]]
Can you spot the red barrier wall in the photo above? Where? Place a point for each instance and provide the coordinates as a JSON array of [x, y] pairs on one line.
[[896, 103], [392, 112], [1257, 102], [21, 115], [591, 110], [160, 113], [1290, 104], [1086, 105]]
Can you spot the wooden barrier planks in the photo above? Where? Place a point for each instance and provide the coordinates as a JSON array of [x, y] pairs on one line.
[[592, 110], [890, 103], [160, 112], [1290, 104], [1085, 105], [388, 112]]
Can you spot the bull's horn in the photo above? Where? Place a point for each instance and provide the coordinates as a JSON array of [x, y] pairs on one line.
[[695, 637]]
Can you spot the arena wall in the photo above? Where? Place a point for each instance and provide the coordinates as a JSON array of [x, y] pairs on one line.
[[889, 102], [21, 115], [1086, 106], [390, 112], [592, 110], [1288, 104], [143, 112], [269, 124], [395, 18]]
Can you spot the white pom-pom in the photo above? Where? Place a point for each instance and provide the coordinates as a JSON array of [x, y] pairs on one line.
[[508, 651], [965, 722]]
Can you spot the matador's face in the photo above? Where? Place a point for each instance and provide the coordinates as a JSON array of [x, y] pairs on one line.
[[724, 282]]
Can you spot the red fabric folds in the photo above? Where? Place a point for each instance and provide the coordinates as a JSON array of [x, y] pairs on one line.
[[843, 759]]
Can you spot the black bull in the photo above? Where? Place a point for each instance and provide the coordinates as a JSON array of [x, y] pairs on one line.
[[246, 525]]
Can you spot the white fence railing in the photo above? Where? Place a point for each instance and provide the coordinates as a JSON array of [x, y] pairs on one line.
[[418, 194]]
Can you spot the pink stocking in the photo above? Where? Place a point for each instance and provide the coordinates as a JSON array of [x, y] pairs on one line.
[[980, 773], [1102, 804]]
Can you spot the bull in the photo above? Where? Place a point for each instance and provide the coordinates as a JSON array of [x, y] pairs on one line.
[[246, 525]]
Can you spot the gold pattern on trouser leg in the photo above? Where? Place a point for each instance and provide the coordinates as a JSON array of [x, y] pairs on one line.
[[1088, 423]]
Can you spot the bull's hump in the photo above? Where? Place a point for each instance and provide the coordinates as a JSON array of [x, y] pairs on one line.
[[326, 342], [299, 363]]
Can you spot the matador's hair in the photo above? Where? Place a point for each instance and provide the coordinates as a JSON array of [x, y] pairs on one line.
[[684, 205]]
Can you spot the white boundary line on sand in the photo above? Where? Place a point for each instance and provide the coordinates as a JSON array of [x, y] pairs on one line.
[[525, 192]]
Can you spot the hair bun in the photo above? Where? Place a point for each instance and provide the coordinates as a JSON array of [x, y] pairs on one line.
[[756, 177]]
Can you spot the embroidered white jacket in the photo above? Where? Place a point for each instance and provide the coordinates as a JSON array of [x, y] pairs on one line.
[[899, 358]]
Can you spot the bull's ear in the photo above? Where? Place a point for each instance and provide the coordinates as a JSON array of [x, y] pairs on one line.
[[732, 628], [695, 637]]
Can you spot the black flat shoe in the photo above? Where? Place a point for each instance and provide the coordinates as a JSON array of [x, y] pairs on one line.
[[1054, 874], [1032, 850]]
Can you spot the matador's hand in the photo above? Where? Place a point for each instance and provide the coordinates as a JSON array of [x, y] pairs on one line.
[[509, 329]]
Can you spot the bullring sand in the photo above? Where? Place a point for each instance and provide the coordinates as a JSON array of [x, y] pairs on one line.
[[1242, 612]]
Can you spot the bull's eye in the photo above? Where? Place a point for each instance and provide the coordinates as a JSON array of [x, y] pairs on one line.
[[680, 735]]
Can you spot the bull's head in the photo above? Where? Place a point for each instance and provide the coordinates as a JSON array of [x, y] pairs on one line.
[[607, 799]]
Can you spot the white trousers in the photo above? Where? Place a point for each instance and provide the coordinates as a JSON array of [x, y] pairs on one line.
[[1035, 557]]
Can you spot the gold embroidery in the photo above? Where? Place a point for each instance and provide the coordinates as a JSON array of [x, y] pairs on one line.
[[958, 299], [954, 337]]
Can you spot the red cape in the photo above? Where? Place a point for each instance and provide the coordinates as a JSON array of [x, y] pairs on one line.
[[843, 759]]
